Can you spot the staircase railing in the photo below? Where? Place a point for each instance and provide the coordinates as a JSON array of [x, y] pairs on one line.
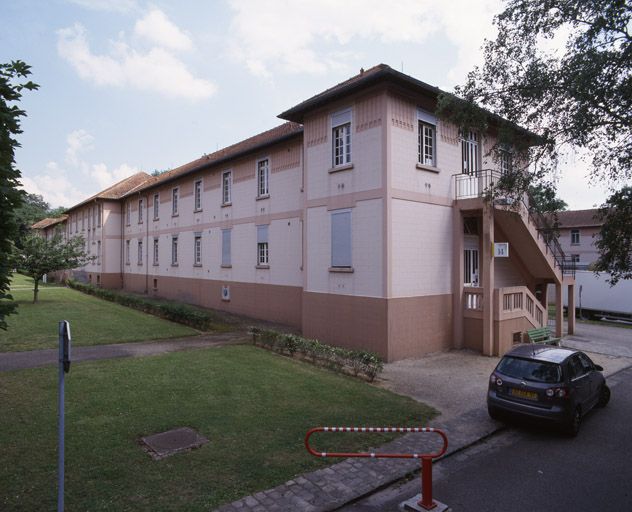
[[469, 186]]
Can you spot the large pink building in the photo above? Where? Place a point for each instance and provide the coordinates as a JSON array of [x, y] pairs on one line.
[[360, 221]]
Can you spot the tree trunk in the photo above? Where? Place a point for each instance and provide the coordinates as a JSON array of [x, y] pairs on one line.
[[35, 290]]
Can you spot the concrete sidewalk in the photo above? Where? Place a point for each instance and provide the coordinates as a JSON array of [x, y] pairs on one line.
[[34, 358]]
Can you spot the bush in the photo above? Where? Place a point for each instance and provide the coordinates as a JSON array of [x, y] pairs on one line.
[[174, 311], [353, 362]]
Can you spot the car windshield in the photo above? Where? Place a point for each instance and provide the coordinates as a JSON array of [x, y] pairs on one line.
[[527, 369]]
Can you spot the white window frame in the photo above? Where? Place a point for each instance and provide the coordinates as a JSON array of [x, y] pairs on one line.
[[338, 261], [227, 182], [156, 206], [197, 195], [174, 250], [471, 267], [127, 250], [263, 253], [197, 249], [505, 161], [426, 138], [263, 177], [341, 138], [140, 251], [156, 251], [471, 153], [575, 237], [140, 210], [175, 197]]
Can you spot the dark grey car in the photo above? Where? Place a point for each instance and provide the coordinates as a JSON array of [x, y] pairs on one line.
[[547, 382]]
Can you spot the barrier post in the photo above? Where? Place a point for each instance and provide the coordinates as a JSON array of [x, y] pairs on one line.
[[426, 500]]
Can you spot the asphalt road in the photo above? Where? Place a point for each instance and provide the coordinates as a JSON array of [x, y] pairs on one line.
[[525, 469], [601, 339]]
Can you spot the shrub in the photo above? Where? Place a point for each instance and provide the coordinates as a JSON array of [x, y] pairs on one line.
[[353, 362]]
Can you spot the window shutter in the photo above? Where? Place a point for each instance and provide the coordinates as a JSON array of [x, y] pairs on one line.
[[262, 234], [426, 117], [340, 118], [226, 247], [341, 239]]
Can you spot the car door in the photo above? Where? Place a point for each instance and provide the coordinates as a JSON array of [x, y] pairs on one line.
[[594, 378], [580, 383]]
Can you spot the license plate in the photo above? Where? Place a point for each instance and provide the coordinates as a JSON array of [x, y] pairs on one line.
[[520, 393]]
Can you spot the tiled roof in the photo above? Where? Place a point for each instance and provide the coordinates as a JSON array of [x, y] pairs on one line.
[[48, 222], [119, 189], [374, 75], [277, 134], [578, 218]]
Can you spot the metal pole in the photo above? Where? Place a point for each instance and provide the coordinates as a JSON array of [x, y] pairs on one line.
[[426, 484], [60, 463]]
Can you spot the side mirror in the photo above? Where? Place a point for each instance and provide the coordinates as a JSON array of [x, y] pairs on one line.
[[599, 368]]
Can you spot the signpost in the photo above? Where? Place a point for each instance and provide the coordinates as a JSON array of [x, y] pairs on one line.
[[64, 368]]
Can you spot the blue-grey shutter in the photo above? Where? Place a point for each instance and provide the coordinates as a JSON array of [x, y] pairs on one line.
[[262, 234], [225, 246], [426, 117], [341, 239], [340, 118]]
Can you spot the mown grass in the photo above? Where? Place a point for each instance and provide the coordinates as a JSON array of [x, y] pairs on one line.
[[254, 407], [93, 321]]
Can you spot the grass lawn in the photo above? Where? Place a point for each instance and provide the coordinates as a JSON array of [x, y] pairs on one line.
[[254, 406], [93, 321]]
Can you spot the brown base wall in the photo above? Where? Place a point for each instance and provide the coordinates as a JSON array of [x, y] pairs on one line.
[[347, 321], [473, 334], [274, 303], [419, 325], [503, 333]]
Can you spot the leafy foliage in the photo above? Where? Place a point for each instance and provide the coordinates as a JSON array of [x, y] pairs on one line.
[[11, 88], [32, 210], [39, 256], [615, 240]]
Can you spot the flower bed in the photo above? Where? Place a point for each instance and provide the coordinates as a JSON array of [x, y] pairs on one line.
[[358, 363]]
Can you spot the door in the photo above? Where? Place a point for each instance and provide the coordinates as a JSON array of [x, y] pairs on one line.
[[470, 261]]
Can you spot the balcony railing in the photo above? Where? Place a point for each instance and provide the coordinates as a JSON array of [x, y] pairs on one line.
[[469, 186]]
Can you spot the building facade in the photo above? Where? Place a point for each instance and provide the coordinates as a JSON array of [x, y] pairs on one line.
[[359, 221]]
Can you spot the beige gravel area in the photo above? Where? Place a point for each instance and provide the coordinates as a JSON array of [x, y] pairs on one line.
[[455, 382]]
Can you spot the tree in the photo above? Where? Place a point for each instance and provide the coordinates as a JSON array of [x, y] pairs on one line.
[[11, 86], [32, 209], [39, 256], [577, 93], [615, 240]]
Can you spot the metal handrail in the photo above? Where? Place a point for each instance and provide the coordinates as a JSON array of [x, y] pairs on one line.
[[485, 180], [426, 458]]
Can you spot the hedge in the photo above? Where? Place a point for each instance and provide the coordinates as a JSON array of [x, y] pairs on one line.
[[359, 363], [174, 311]]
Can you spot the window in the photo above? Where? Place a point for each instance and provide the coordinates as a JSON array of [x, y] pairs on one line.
[[427, 138], [262, 245], [575, 258], [140, 211], [506, 161], [197, 249], [174, 202], [94, 216], [83, 220], [226, 248], [89, 217], [341, 138], [140, 252], [197, 195], [128, 214], [99, 209], [156, 206], [155, 252], [470, 267], [99, 252], [470, 153], [263, 174], [127, 252], [174, 250], [574, 236], [341, 239], [227, 180]]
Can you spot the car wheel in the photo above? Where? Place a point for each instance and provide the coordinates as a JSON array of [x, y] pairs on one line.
[[493, 413], [572, 429], [604, 396]]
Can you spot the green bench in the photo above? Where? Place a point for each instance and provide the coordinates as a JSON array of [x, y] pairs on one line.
[[543, 335]]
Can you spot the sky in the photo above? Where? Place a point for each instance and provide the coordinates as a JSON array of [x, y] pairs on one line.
[[130, 85]]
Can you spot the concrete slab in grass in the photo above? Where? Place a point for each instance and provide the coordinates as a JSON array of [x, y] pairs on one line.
[[173, 441]]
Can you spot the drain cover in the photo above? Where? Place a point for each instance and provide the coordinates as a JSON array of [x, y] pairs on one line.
[[173, 441]]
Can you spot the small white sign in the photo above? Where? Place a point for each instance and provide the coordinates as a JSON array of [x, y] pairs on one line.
[[501, 250]]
